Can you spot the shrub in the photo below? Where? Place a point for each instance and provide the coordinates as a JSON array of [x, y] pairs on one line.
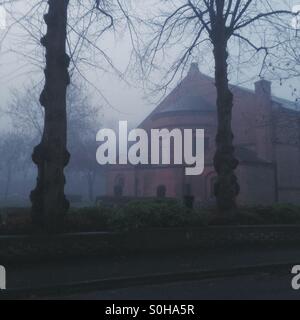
[[280, 214], [152, 213], [88, 219], [15, 221]]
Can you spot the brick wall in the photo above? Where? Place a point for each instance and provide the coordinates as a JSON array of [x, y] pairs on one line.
[[287, 153]]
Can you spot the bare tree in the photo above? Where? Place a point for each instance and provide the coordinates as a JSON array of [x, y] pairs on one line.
[[284, 64], [49, 203], [194, 23], [84, 120], [14, 150], [72, 27], [83, 159]]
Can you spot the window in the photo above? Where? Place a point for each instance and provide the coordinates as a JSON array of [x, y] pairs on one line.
[[161, 191], [137, 186], [118, 191], [119, 186]]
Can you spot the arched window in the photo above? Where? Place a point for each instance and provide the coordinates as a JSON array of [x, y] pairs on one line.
[[119, 186], [118, 191], [161, 191], [136, 186]]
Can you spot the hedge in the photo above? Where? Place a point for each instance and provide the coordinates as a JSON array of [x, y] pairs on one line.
[[137, 215]]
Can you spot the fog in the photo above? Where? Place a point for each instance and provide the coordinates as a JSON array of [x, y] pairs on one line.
[[120, 99], [22, 63]]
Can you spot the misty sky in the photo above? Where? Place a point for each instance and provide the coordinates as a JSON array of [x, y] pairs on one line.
[[128, 100]]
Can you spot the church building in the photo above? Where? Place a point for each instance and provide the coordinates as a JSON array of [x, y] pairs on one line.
[[267, 145]]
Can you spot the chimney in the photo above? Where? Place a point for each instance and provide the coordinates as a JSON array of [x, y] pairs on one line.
[[194, 69], [263, 114], [263, 89]]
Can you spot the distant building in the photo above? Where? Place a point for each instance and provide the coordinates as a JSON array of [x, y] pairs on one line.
[[267, 142]]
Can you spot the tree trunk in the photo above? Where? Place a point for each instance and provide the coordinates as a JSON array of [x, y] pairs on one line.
[[91, 181], [226, 188], [49, 204]]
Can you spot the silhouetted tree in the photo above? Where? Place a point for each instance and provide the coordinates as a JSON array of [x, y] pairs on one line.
[[49, 203], [84, 120], [83, 159], [14, 151], [216, 22], [284, 64]]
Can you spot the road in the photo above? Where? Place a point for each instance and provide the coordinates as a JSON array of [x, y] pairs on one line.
[[267, 285], [257, 287], [47, 273]]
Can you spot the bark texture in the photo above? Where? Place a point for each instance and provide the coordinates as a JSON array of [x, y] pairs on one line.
[[49, 204], [227, 187]]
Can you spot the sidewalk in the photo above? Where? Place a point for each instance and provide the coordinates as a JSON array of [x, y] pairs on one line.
[[72, 271]]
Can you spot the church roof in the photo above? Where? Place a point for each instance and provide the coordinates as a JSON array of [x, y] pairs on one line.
[[190, 103], [197, 93], [246, 155], [187, 96]]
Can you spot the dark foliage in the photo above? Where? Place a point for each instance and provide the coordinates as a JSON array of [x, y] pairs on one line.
[[137, 215]]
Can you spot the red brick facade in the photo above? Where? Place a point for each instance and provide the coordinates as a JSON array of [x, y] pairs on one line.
[[267, 140]]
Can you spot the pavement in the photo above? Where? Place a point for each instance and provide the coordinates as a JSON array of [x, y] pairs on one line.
[[170, 269], [250, 287]]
